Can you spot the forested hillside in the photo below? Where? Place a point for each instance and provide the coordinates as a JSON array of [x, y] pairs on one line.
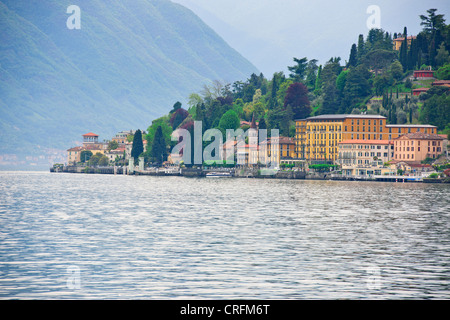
[[375, 79]]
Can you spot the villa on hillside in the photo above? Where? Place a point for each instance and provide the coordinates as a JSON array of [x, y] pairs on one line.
[[418, 91], [397, 42], [423, 74]]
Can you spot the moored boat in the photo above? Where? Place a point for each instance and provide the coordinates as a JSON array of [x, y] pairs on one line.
[[218, 175]]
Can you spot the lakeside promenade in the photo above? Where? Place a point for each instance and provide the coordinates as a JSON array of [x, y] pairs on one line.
[[245, 173]]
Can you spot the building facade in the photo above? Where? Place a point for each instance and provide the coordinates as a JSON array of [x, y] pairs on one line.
[[317, 138], [365, 157], [416, 147]]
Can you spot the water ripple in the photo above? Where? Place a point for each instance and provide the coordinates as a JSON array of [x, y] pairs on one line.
[[69, 236]]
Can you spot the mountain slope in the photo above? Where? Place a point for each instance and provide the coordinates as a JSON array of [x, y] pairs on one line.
[[129, 62]]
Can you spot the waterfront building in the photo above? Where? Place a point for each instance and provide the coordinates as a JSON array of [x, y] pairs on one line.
[[317, 138], [122, 136], [417, 146], [365, 157], [73, 155], [90, 139], [116, 153]]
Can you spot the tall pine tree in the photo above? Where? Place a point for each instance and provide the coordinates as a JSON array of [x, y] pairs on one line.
[[138, 146], [353, 59], [159, 148]]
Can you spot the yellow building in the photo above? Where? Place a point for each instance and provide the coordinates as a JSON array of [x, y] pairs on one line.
[[73, 155], [272, 154], [317, 138], [397, 43]]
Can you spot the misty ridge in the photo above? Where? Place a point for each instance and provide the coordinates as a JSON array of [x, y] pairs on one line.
[[125, 66]]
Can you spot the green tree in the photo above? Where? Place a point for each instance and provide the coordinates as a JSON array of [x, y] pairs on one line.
[[361, 50], [138, 146], [311, 74], [379, 59], [396, 70], [442, 56], [103, 161], [113, 145], [298, 71], [162, 122], [159, 147], [357, 86], [436, 110], [85, 155], [432, 22], [353, 59], [229, 120], [93, 161], [443, 73]]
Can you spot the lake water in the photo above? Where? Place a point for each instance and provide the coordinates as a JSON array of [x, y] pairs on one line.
[[78, 236]]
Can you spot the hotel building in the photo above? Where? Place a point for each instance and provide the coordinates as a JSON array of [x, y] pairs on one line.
[[317, 138]]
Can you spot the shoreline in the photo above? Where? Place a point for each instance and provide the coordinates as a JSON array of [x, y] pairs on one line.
[[244, 173]]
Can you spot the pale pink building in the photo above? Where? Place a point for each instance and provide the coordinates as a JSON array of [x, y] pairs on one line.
[[417, 146]]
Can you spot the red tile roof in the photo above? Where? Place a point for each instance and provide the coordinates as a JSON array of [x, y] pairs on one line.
[[420, 136], [90, 134]]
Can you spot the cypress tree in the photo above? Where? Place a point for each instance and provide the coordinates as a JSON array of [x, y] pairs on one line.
[[353, 59], [159, 151], [138, 146], [361, 47]]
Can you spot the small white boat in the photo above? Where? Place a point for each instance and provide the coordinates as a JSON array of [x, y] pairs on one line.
[[218, 175]]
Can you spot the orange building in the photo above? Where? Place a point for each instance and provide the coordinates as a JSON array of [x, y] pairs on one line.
[[317, 138], [417, 146]]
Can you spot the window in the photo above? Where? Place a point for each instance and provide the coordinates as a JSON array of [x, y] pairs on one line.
[[399, 130], [390, 130]]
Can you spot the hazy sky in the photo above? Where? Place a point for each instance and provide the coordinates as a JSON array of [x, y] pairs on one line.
[[271, 32]]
